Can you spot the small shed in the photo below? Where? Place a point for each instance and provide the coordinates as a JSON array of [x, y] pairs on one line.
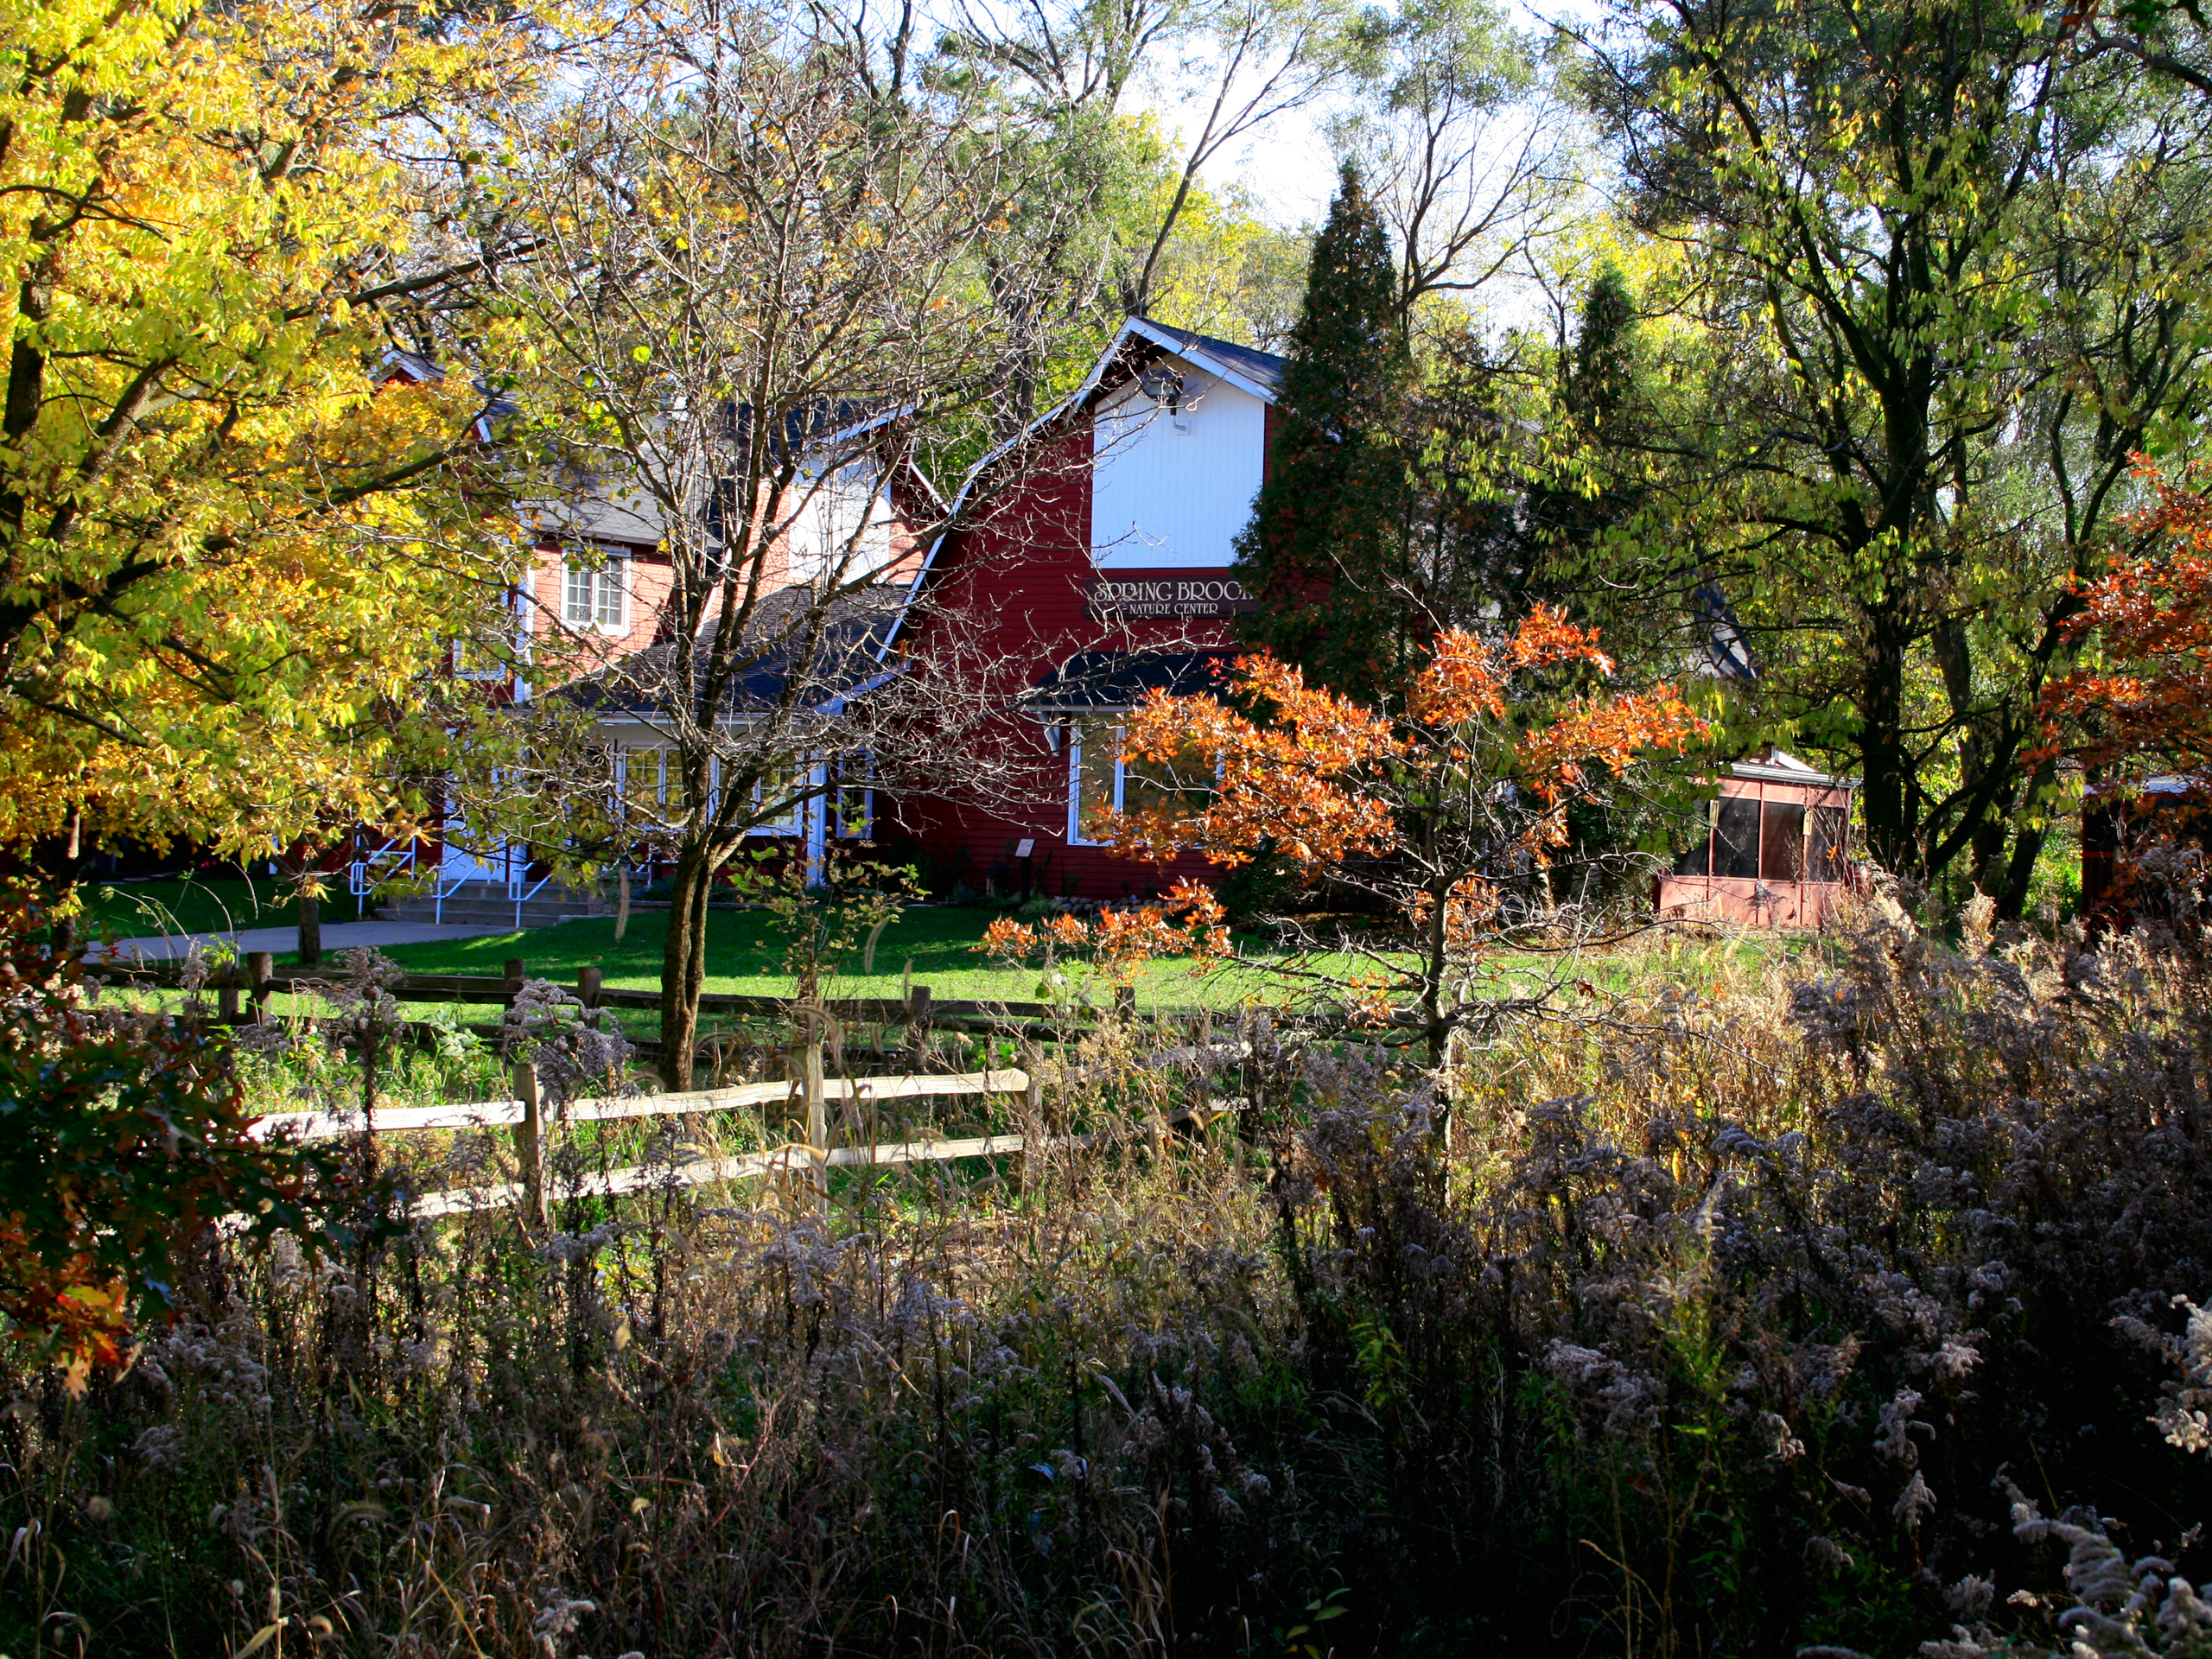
[[2120, 820], [1768, 851]]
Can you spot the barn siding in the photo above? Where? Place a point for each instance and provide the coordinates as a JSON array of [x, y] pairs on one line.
[[1019, 575]]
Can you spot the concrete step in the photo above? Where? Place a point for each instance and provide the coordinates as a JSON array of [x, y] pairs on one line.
[[487, 901]]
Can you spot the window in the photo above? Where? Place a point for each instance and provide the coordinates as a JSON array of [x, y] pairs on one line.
[[1181, 786], [1099, 781], [778, 792], [856, 813], [855, 802], [1831, 828], [1736, 837], [592, 596], [1697, 857], [500, 641], [475, 661], [1093, 779], [1781, 852], [639, 782]]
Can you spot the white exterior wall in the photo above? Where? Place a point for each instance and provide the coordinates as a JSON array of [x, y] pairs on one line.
[[1172, 493], [822, 524]]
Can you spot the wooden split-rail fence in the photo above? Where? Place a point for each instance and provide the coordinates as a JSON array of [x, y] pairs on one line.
[[809, 1160], [808, 1089]]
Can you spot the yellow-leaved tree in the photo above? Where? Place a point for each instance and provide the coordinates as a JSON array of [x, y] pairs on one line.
[[233, 538]]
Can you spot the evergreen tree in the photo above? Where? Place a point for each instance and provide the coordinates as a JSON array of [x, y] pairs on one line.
[[1601, 384], [1327, 554], [1602, 433]]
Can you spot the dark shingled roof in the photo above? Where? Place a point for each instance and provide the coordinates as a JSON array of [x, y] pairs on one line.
[[1728, 654], [848, 658], [1250, 361], [1117, 679]]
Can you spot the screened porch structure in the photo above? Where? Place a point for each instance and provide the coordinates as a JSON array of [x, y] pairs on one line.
[[1771, 850]]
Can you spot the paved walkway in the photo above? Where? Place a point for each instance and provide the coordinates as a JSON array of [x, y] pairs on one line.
[[281, 941]]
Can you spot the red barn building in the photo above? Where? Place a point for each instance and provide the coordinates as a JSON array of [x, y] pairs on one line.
[[1095, 571]]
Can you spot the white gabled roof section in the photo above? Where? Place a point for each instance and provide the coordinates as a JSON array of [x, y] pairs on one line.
[[1194, 350], [1191, 348]]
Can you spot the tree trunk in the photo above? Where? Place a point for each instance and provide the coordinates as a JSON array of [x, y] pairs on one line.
[[2027, 844], [310, 922], [74, 865], [1886, 777], [1437, 1025], [683, 965]]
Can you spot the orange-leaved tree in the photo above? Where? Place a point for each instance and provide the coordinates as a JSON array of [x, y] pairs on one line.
[[2142, 701], [1446, 812], [1070, 950]]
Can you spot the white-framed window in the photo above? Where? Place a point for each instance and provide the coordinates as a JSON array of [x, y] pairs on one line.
[[472, 662], [1099, 779], [640, 779], [595, 593], [856, 803], [778, 789], [476, 657], [1093, 779]]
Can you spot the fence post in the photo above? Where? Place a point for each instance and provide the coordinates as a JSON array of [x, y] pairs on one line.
[[1201, 1077], [806, 1060], [918, 1026], [588, 981], [529, 1144], [1037, 1134], [514, 973], [226, 996], [259, 967]]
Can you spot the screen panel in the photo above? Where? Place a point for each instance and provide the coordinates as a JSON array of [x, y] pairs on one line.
[[1696, 857], [1782, 846], [1831, 832], [1736, 839]]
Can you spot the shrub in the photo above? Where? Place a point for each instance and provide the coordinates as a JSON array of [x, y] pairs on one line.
[[1741, 1320], [124, 1139]]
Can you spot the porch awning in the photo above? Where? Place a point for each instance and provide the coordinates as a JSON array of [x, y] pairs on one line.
[[1100, 681]]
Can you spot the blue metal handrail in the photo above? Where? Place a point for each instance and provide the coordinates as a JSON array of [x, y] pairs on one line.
[[365, 875], [521, 897], [444, 890]]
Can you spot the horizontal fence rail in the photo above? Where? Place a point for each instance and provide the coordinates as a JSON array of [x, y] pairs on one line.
[[506, 1114], [810, 1158], [786, 1161], [919, 1011]]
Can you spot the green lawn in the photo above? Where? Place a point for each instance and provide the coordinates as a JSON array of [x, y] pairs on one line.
[[130, 910], [939, 944], [745, 955]]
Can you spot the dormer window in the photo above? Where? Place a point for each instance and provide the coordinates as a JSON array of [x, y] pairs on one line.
[[594, 595]]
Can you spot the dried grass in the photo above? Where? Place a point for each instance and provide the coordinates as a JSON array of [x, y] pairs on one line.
[[1708, 1324]]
